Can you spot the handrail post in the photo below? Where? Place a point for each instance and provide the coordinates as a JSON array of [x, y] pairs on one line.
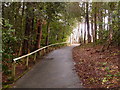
[[13, 69], [27, 60], [53, 47], [44, 51], [35, 57], [39, 53], [47, 49]]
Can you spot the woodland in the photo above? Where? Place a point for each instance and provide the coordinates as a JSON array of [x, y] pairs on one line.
[[28, 26]]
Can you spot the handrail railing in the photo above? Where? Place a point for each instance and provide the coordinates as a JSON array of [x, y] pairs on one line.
[[27, 55], [37, 51]]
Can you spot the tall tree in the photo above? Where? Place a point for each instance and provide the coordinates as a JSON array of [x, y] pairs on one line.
[[87, 21], [39, 34], [100, 18], [95, 22], [28, 27]]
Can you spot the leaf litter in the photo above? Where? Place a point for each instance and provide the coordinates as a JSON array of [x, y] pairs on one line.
[[97, 69]]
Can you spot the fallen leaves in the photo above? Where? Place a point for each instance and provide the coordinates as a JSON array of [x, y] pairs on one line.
[[97, 69]]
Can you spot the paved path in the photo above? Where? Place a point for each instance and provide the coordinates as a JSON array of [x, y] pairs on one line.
[[54, 71]]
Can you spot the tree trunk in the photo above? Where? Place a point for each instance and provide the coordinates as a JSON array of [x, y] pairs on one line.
[[87, 21], [92, 27], [118, 16], [22, 27], [3, 21], [100, 24], [26, 39], [110, 26], [48, 31], [39, 34], [32, 31], [84, 39], [62, 36], [104, 20], [26, 43], [95, 25], [85, 33]]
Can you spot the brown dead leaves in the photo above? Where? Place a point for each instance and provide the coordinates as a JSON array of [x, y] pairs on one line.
[[97, 69]]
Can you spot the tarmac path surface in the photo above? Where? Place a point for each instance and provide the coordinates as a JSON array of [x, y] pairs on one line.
[[55, 70]]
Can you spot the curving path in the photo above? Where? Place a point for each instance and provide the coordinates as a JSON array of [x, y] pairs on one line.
[[54, 71]]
